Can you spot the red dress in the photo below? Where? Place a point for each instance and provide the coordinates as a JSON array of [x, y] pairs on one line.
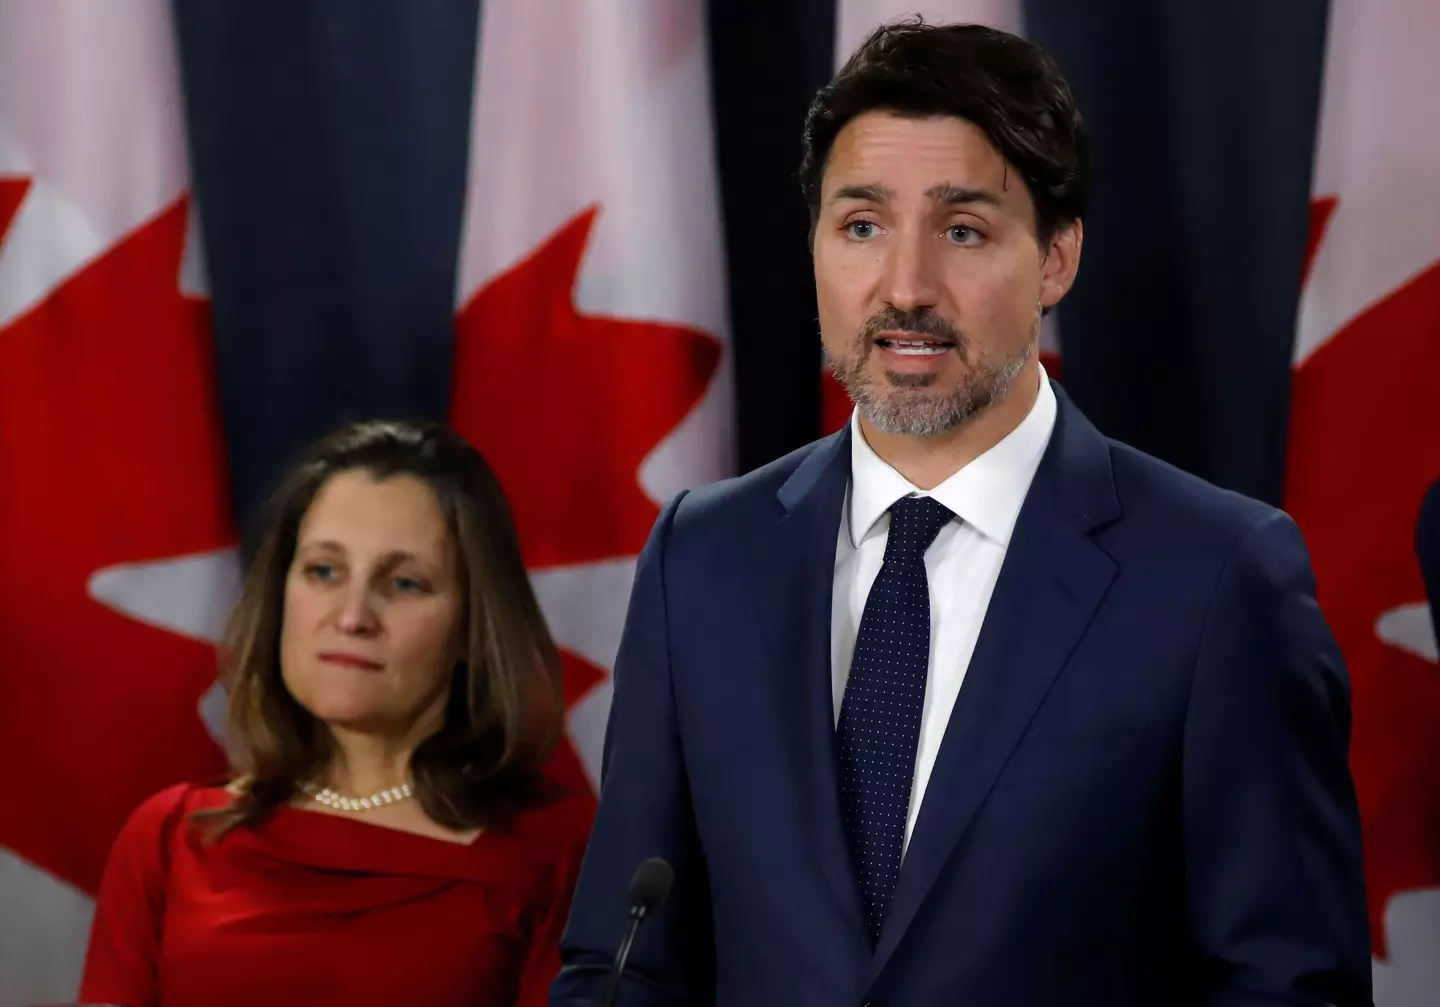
[[310, 908]]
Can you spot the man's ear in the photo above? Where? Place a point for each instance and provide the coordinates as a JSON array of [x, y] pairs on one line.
[[1062, 263]]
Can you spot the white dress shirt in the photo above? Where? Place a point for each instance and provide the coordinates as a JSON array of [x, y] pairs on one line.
[[961, 565]]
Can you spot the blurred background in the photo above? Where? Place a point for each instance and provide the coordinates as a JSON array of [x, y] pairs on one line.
[[574, 229]]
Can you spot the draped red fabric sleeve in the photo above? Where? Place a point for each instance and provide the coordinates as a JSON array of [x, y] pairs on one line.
[[121, 963]]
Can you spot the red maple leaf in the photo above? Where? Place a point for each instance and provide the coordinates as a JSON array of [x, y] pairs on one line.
[[110, 449], [566, 407], [12, 194], [1364, 448], [835, 404], [1322, 208]]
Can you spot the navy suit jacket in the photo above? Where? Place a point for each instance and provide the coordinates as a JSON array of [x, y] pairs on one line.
[[1142, 796]]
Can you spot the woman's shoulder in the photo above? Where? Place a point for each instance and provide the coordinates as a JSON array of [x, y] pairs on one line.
[[562, 815], [539, 848], [555, 828], [163, 810]]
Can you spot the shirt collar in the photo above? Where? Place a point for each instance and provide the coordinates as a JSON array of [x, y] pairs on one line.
[[987, 493]]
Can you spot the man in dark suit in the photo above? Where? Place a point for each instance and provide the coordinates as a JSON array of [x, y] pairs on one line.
[[968, 704]]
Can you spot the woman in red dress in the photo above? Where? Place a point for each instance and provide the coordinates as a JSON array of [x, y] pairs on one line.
[[394, 693]]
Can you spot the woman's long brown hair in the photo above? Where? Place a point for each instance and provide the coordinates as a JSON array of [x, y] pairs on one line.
[[505, 713]]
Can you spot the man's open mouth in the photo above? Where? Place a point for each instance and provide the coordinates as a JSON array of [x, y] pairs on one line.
[[920, 347]]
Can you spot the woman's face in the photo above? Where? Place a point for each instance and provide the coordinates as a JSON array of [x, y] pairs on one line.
[[373, 607]]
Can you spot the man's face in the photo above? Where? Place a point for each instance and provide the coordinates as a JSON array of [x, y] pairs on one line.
[[928, 272]]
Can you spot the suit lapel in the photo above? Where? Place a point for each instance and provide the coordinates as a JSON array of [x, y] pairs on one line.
[[1053, 579], [795, 610]]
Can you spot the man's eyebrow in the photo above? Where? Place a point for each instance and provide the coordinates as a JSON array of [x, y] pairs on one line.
[[957, 195], [870, 193], [945, 194]]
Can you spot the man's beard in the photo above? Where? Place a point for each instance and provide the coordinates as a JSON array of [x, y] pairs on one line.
[[899, 404]]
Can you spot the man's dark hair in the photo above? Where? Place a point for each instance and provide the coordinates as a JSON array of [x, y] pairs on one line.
[[1010, 88]]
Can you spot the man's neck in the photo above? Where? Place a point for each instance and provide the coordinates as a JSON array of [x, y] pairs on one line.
[[926, 462]]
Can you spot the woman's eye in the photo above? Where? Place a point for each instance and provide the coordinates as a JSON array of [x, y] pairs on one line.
[[320, 571]]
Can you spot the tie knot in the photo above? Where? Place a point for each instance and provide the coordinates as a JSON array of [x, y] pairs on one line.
[[914, 523]]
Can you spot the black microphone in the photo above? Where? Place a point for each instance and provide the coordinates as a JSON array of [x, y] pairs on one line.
[[649, 889]]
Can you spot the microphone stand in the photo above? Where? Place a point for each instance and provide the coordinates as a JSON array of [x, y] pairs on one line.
[[637, 914]]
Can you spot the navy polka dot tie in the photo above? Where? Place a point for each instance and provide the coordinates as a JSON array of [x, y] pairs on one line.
[[879, 727]]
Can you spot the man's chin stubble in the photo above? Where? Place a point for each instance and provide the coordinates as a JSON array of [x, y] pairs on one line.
[[927, 415], [906, 410]]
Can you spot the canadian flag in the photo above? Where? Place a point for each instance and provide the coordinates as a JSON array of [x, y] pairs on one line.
[[591, 366], [1365, 447], [116, 543], [854, 21]]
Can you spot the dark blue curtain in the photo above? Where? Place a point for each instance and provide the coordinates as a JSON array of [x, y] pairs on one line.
[[1177, 337], [329, 144], [767, 60]]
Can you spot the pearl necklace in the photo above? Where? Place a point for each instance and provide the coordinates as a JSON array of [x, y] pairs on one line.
[[338, 801]]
